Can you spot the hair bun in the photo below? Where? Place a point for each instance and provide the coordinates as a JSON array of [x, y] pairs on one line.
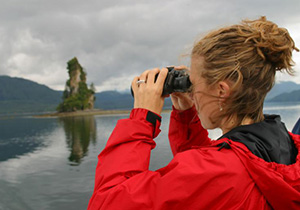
[[273, 44]]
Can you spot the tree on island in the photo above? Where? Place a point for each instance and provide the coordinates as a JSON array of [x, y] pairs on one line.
[[77, 95]]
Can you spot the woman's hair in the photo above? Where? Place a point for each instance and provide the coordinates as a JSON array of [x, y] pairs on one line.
[[248, 55]]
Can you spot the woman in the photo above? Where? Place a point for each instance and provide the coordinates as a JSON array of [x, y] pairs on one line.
[[254, 165]]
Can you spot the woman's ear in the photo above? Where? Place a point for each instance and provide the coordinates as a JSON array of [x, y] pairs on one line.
[[223, 90]]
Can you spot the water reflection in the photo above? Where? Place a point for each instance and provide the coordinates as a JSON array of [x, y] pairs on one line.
[[79, 131], [22, 136]]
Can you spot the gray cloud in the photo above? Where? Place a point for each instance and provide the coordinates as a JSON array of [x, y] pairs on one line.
[[115, 40]]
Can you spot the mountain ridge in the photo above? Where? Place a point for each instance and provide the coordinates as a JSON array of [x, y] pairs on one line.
[[19, 95]]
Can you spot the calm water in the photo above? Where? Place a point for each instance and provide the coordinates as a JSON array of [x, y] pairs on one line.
[[50, 163]]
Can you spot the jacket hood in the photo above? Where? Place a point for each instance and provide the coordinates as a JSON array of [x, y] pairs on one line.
[[263, 148], [279, 183], [268, 140]]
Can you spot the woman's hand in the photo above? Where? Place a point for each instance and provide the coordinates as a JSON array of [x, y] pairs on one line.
[[182, 101], [147, 93]]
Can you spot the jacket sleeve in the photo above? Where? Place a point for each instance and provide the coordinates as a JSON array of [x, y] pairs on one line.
[[127, 153], [186, 131]]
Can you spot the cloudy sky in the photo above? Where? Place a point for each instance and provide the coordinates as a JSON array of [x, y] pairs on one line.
[[114, 40]]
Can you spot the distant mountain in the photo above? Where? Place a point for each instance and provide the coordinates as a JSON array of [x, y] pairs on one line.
[[281, 88], [21, 95], [293, 96], [115, 100]]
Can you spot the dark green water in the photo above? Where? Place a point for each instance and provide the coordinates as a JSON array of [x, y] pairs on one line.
[[49, 163]]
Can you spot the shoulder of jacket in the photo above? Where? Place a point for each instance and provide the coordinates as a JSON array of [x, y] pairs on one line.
[[210, 156]]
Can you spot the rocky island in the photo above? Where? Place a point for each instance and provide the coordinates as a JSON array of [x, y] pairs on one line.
[[77, 96], [78, 99]]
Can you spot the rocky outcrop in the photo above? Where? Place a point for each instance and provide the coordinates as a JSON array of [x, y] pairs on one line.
[[77, 95], [74, 81]]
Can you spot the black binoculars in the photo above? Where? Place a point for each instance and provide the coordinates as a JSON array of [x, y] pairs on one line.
[[176, 81]]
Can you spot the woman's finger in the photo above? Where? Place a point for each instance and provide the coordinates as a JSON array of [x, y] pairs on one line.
[[182, 67], [152, 74], [134, 84], [162, 76], [144, 76]]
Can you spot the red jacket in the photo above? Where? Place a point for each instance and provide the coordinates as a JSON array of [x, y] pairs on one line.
[[201, 175]]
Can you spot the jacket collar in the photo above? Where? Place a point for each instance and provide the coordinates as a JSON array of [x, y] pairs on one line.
[[268, 140]]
